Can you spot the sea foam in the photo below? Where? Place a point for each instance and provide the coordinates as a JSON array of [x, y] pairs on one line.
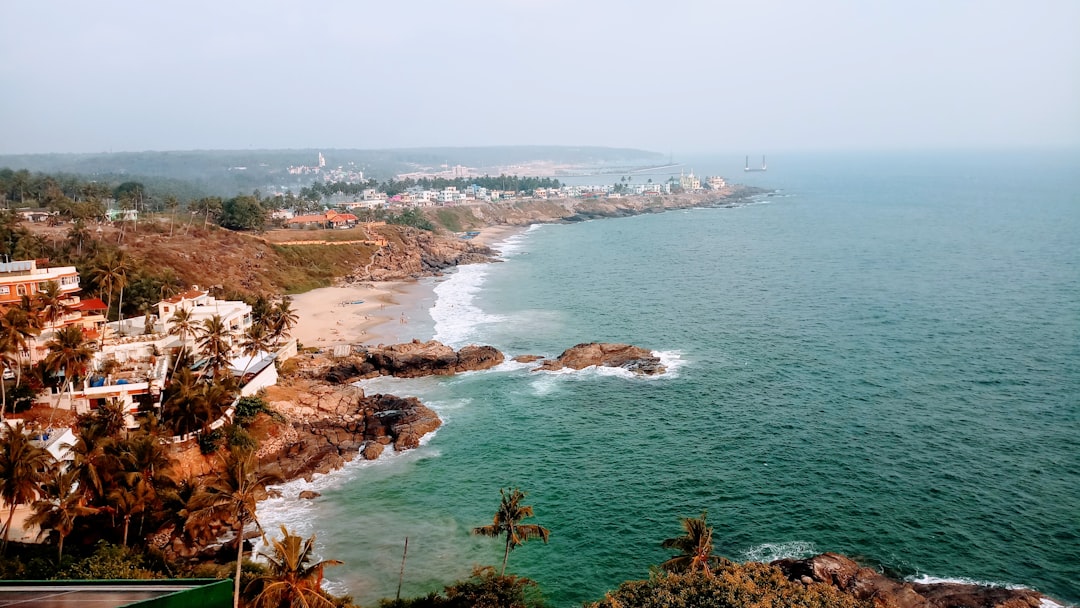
[[770, 552], [456, 317], [926, 579]]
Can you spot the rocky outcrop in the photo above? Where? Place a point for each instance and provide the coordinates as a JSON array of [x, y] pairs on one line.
[[412, 360], [867, 584], [322, 444], [413, 253], [632, 358], [562, 210]]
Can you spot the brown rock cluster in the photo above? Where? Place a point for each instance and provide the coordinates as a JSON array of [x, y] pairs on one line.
[[376, 421], [413, 253], [633, 358], [412, 360], [868, 584]]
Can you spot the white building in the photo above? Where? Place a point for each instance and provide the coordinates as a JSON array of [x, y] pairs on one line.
[[689, 182], [448, 194]]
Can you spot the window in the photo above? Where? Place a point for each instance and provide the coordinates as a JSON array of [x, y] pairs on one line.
[[5, 290], [20, 290]]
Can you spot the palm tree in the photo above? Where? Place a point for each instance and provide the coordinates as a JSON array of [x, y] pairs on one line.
[[77, 234], [254, 341], [69, 353], [214, 337], [146, 471], [171, 203], [695, 547], [232, 494], [61, 505], [23, 468], [146, 459], [183, 408], [261, 310], [508, 521], [111, 273], [181, 324], [8, 360], [17, 326], [51, 301], [128, 500], [283, 318], [292, 580]]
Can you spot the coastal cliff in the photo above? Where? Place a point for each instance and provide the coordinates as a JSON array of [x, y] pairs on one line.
[[327, 427], [411, 253], [326, 422]]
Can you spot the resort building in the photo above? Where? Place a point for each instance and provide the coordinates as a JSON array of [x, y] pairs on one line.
[[133, 362], [202, 306], [24, 278], [29, 278], [330, 219]]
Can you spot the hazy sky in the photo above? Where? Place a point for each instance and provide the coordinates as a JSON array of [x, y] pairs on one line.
[[671, 76]]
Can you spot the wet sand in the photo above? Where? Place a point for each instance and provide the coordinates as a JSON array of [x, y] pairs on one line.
[[373, 313]]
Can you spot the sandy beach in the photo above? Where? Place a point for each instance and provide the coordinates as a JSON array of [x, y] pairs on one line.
[[372, 313], [493, 235], [350, 314]]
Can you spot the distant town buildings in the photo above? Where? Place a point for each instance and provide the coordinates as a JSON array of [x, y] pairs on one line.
[[690, 182]]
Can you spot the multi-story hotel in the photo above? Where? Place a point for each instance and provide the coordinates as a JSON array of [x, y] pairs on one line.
[[24, 278]]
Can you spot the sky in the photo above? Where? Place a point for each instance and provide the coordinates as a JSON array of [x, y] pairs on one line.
[[674, 76]]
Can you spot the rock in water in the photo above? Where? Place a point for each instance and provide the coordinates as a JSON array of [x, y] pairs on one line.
[[628, 357], [413, 360], [374, 421]]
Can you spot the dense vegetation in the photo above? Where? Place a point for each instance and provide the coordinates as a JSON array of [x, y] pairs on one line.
[[121, 484], [72, 198]]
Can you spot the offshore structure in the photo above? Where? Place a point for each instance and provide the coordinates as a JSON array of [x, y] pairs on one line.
[[763, 166]]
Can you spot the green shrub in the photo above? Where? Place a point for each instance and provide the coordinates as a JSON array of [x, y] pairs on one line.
[[29, 567], [109, 562], [247, 408], [238, 438], [484, 589], [21, 397], [209, 441]]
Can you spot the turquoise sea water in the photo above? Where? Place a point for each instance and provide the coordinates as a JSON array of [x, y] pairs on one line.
[[881, 360]]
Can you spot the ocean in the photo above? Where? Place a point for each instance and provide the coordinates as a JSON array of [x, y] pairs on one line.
[[881, 359]]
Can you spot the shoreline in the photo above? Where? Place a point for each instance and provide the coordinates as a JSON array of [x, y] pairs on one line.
[[342, 476], [378, 312], [353, 314]]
